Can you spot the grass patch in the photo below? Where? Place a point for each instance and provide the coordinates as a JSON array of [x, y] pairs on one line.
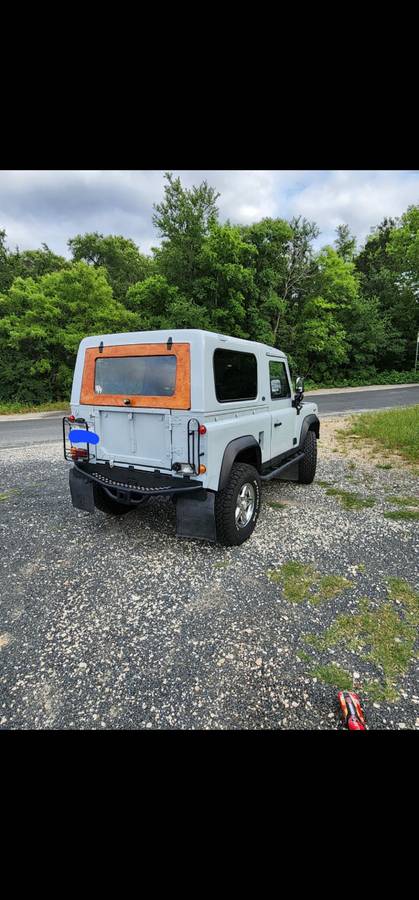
[[299, 580], [401, 591], [384, 466], [349, 499], [304, 657], [410, 515], [276, 504], [323, 483], [334, 675], [8, 494], [361, 567], [296, 579], [330, 586], [10, 408], [396, 430], [222, 565], [404, 501], [382, 636]]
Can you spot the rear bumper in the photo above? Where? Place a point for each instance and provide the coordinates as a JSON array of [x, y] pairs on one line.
[[126, 484], [194, 508]]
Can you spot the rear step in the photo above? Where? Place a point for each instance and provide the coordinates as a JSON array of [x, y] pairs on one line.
[[275, 473], [136, 480]]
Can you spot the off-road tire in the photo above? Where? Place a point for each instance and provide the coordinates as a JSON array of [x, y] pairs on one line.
[[107, 504], [307, 466], [228, 533]]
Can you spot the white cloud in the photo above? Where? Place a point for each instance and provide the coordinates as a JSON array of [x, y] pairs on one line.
[[52, 206], [360, 199]]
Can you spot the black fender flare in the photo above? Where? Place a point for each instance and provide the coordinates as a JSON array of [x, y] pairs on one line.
[[310, 423], [231, 453]]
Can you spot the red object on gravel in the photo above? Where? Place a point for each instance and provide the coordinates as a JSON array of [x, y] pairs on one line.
[[352, 715]]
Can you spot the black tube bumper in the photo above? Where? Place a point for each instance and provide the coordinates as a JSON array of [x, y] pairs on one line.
[[124, 485]]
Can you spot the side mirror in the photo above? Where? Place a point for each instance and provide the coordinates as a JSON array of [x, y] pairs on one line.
[[299, 392]]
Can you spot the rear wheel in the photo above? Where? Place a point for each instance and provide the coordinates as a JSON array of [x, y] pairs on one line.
[[307, 466], [237, 505], [109, 505]]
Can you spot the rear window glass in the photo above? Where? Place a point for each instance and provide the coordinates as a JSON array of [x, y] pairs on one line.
[[150, 376], [235, 375]]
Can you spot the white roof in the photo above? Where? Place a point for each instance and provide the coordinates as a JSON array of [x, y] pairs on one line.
[[178, 335]]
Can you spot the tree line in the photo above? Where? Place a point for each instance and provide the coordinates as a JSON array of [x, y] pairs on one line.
[[341, 314]]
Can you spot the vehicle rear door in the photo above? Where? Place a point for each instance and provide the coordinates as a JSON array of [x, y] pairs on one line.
[[132, 390]]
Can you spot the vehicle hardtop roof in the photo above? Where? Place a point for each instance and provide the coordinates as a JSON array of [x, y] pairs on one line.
[[178, 335]]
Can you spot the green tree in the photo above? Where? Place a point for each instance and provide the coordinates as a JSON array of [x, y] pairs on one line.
[[224, 285], [345, 243], [337, 282], [27, 263], [322, 346], [386, 275], [183, 219], [42, 323], [120, 257], [271, 240], [301, 269], [403, 252], [6, 269], [157, 304]]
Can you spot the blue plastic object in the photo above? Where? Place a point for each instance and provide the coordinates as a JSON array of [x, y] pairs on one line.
[[78, 436]]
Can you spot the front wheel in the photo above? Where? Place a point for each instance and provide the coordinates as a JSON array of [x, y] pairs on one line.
[[237, 505], [307, 466]]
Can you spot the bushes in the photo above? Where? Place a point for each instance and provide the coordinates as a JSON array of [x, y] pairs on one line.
[[366, 379]]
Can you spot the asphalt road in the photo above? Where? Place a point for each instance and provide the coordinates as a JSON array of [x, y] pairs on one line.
[[362, 401], [27, 432], [115, 623]]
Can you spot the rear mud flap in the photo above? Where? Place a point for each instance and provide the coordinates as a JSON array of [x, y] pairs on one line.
[[290, 474], [195, 517], [81, 489]]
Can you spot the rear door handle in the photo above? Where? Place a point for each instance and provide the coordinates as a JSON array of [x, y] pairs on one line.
[[277, 424]]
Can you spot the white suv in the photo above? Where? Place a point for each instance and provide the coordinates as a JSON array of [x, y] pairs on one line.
[[196, 415]]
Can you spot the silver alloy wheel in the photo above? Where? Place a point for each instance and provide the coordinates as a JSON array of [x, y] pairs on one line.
[[245, 504]]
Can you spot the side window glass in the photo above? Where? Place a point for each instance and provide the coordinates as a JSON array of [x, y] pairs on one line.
[[235, 375], [278, 378]]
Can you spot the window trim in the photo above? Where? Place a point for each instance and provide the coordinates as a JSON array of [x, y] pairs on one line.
[[242, 353], [289, 395], [180, 399]]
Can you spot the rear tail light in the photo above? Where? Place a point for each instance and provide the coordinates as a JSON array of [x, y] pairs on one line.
[[202, 429], [71, 418], [79, 454]]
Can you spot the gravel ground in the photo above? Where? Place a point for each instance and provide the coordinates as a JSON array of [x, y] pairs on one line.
[[116, 623]]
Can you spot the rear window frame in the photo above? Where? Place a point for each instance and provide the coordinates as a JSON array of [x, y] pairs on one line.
[[180, 399]]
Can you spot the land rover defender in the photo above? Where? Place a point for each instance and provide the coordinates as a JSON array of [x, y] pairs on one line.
[[201, 417]]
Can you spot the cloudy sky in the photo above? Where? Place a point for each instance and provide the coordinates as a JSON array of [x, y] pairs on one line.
[[52, 206]]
